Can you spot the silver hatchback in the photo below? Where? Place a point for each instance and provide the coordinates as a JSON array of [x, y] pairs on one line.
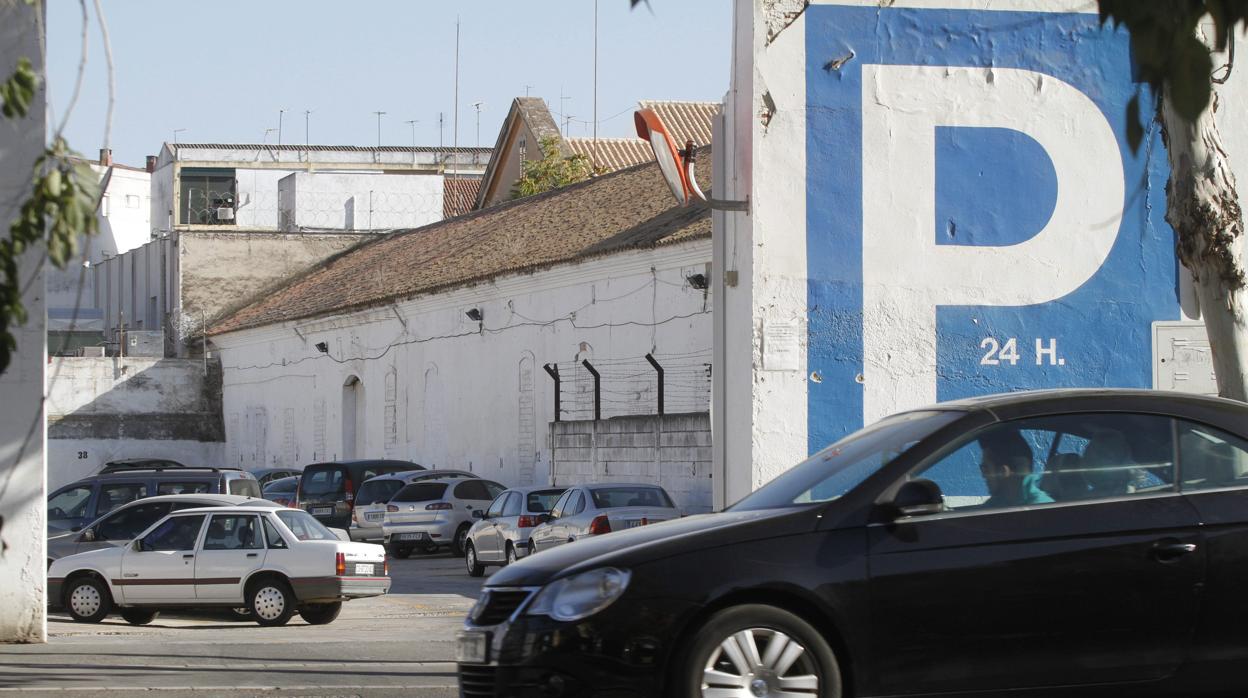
[[591, 510], [434, 514], [375, 494], [502, 535]]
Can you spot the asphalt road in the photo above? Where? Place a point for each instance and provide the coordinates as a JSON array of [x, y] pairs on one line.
[[399, 644]]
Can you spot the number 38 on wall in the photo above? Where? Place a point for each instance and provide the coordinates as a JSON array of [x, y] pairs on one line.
[[1007, 352], [82, 455]]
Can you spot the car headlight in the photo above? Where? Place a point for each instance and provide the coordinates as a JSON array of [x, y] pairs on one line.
[[581, 595]]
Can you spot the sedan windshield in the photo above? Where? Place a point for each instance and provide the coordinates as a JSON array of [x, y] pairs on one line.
[[841, 467]]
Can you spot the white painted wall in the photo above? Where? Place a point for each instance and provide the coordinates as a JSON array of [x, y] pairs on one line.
[[23, 512], [460, 396], [359, 201]]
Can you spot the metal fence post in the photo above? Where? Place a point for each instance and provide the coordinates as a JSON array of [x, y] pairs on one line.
[[659, 370], [553, 370], [597, 389]]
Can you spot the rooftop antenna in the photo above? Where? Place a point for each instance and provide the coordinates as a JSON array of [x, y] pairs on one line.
[[526, 90], [477, 106], [176, 131], [412, 123], [567, 121], [279, 126], [441, 154], [455, 127], [379, 115], [595, 163], [267, 131]]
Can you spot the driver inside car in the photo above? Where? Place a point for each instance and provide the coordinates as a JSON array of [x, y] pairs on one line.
[[1006, 465]]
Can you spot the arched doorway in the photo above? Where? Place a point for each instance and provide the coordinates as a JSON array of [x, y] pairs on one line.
[[352, 418]]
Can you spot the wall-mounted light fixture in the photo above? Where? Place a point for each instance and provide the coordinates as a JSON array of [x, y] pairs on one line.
[[322, 347], [697, 281], [474, 314]]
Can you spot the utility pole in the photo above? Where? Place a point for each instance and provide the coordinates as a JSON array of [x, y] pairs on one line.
[[307, 141], [595, 163], [441, 148], [379, 115], [279, 125], [455, 119]]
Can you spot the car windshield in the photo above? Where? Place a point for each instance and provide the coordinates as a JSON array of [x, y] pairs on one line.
[[303, 526], [841, 467], [541, 501], [420, 492], [377, 492], [324, 479], [612, 497]]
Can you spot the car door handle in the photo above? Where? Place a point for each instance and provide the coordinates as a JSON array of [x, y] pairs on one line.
[[253, 554], [1169, 551], [187, 557]]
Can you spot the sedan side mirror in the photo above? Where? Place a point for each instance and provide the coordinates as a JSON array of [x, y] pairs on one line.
[[919, 498], [478, 514], [88, 536], [545, 518]]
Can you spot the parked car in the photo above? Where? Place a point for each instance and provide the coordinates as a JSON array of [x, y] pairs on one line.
[[273, 561], [502, 535], [75, 505], [327, 490], [266, 475], [591, 510], [375, 494], [122, 524], [435, 514], [1059, 541], [282, 490]]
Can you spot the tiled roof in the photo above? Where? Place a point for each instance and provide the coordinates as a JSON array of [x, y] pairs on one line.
[[627, 209], [331, 148], [524, 110], [611, 154], [459, 195], [685, 120]]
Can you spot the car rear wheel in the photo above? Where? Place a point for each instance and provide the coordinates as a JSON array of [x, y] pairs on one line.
[[461, 538], [241, 613], [757, 650], [401, 553], [511, 553], [139, 616], [320, 613], [475, 568], [87, 599], [271, 602]]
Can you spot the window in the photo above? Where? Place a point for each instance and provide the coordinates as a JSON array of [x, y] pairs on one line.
[[557, 510], [132, 201], [275, 540], [1056, 459], [244, 487], [475, 490], [303, 526], [322, 480], [232, 532], [176, 533], [420, 492], [377, 492], [131, 521], [207, 197], [69, 504], [512, 506], [182, 488], [611, 497], [496, 507], [114, 495], [1210, 458], [493, 489], [540, 502], [577, 504]]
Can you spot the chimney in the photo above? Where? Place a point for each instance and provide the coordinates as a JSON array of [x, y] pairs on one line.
[[151, 163], [106, 157]]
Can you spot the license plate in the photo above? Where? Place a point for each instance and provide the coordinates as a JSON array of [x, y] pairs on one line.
[[322, 511], [362, 570], [374, 516], [411, 536], [634, 523], [471, 648]]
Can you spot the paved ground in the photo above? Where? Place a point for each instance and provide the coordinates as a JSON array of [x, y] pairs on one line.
[[400, 644]]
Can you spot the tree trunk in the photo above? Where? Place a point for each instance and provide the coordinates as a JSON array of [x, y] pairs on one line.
[[1203, 208]]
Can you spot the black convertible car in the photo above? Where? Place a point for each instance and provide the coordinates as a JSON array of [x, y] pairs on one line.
[[1051, 541]]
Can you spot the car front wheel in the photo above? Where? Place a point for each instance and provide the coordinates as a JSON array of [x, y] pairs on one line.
[[511, 553], [320, 613], [271, 602], [475, 568], [757, 650], [87, 599]]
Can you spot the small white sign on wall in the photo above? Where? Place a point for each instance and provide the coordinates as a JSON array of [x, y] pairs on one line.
[[780, 345], [1182, 359]]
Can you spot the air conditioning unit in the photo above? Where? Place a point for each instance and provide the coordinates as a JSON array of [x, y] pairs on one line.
[[225, 214], [95, 352]]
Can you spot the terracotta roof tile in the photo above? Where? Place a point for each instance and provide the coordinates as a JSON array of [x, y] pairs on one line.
[[459, 195], [685, 120], [330, 148], [627, 209], [613, 154]]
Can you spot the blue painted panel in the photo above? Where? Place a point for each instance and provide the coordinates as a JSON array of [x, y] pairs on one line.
[[998, 188]]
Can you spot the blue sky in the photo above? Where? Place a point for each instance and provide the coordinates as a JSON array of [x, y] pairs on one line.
[[222, 70]]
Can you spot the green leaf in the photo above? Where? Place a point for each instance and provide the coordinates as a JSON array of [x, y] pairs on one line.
[[1188, 77]]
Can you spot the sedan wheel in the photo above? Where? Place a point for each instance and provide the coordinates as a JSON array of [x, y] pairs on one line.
[[511, 553], [475, 568], [271, 602], [759, 651], [88, 600]]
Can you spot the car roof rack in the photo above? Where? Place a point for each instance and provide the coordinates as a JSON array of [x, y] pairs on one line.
[[177, 467]]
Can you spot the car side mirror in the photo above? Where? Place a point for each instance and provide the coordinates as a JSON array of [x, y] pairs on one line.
[[478, 514], [545, 518], [88, 536], [137, 545], [919, 498]]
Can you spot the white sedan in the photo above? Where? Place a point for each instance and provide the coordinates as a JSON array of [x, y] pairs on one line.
[[274, 562]]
